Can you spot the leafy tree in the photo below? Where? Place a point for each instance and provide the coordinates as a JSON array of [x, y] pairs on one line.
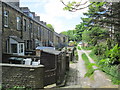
[[79, 30], [50, 27], [71, 34], [94, 35], [74, 6], [86, 36]]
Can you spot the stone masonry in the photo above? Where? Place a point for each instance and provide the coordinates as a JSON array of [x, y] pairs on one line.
[[23, 76]]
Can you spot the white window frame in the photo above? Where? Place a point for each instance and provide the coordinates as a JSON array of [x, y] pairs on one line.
[[6, 16], [21, 49], [18, 23]]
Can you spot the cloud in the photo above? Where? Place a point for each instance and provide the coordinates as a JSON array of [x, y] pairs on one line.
[[52, 12]]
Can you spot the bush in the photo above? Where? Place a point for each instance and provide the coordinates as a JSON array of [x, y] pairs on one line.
[[100, 49], [87, 48], [78, 47], [76, 55], [72, 43], [114, 55], [110, 64]]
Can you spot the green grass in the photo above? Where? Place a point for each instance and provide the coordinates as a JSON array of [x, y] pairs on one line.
[[85, 58], [71, 62], [93, 56], [87, 48], [78, 47], [88, 66], [76, 55], [110, 70]]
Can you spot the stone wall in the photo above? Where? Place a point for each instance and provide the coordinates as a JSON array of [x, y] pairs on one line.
[[11, 30], [23, 76]]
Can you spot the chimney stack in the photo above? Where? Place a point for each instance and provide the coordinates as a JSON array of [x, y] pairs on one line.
[[15, 3]]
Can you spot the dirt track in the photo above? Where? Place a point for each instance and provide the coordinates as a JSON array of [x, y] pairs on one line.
[[77, 71]]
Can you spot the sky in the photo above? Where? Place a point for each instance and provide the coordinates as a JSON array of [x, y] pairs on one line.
[[51, 12]]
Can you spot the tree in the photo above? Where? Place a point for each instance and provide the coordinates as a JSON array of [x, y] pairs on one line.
[[100, 14], [50, 27], [94, 35], [79, 30], [86, 36], [74, 6], [71, 34]]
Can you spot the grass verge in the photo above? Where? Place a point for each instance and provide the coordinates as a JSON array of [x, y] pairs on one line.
[[88, 66], [78, 47], [87, 48], [110, 70]]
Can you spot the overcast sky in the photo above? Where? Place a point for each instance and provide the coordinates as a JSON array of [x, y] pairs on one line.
[[51, 11]]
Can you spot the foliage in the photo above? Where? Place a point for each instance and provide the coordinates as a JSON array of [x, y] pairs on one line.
[[112, 71], [108, 64], [72, 43], [88, 65], [94, 35], [87, 48], [100, 49], [102, 19], [71, 34], [50, 27], [114, 55], [76, 55], [86, 36], [109, 43], [85, 58], [75, 35], [74, 6], [79, 30], [78, 47]]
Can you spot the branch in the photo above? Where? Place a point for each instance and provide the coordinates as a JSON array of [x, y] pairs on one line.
[[74, 8]]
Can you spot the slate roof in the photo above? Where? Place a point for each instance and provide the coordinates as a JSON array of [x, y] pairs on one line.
[[18, 9], [17, 39], [49, 50]]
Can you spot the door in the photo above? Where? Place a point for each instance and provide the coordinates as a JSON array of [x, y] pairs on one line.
[[21, 49]]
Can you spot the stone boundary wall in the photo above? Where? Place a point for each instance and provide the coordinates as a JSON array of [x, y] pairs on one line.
[[22, 76]]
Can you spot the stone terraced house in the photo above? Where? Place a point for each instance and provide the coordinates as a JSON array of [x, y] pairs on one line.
[[21, 30]]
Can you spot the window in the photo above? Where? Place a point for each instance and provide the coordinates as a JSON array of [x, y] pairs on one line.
[[13, 48], [27, 46], [40, 32], [18, 23], [20, 48], [30, 27], [24, 24], [5, 18], [63, 39]]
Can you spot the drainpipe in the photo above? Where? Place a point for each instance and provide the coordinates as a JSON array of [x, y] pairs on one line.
[[1, 26]]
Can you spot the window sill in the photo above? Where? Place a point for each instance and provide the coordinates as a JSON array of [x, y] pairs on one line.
[[6, 26]]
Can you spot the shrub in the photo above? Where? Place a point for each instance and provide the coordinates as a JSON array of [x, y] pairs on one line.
[[114, 55], [78, 47], [100, 49]]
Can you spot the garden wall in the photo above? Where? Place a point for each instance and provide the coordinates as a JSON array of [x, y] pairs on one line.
[[23, 76]]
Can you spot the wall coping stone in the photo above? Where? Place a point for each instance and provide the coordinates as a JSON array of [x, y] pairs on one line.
[[19, 65]]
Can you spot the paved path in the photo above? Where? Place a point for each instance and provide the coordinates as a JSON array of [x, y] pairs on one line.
[[77, 71]]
